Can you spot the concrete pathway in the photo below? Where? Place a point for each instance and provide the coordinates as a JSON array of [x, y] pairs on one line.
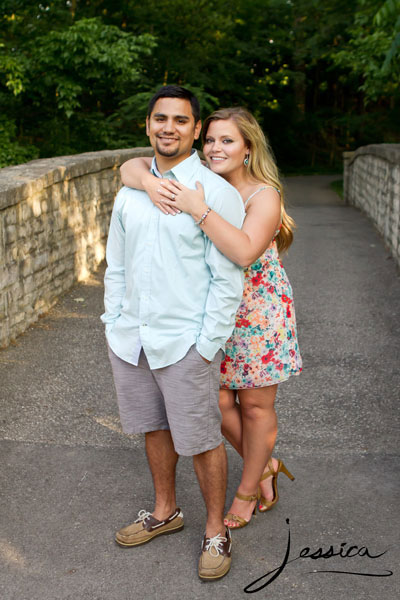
[[70, 478]]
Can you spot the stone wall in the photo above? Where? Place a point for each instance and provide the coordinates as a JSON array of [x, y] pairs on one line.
[[372, 183], [54, 217]]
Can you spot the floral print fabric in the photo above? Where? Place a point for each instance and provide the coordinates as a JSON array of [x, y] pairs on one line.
[[263, 349]]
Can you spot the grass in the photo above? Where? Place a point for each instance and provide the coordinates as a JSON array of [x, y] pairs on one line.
[[337, 186]]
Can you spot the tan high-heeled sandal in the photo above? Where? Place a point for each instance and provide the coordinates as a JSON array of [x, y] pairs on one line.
[[239, 520], [265, 504]]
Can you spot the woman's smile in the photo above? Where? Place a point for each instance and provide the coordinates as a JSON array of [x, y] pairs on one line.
[[224, 147]]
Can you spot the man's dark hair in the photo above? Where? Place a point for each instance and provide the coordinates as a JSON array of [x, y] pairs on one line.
[[176, 91]]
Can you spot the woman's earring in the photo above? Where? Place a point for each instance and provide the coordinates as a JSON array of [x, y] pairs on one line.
[[246, 160]]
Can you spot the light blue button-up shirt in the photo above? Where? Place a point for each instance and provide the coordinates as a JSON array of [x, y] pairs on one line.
[[166, 284]]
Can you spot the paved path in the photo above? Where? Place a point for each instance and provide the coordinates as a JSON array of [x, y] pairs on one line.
[[70, 478]]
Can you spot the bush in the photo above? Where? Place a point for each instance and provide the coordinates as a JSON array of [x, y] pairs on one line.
[[11, 150]]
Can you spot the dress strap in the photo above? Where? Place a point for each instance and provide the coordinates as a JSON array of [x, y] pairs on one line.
[[263, 187]]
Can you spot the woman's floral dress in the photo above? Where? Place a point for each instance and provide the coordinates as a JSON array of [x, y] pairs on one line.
[[263, 348]]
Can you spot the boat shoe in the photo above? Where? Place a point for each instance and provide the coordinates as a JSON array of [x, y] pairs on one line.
[[215, 558], [146, 527]]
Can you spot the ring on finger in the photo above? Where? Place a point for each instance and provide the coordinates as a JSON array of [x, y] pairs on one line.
[[172, 196]]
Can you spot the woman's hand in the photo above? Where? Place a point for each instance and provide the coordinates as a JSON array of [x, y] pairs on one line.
[[178, 196]]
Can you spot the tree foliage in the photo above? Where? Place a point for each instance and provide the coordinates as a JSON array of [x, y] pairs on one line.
[[320, 75], [373, 50]]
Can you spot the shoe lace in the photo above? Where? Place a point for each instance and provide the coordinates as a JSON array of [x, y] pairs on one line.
[[214, 544], [143, 515]]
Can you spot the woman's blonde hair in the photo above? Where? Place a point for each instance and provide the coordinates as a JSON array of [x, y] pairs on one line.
[[262, 166]]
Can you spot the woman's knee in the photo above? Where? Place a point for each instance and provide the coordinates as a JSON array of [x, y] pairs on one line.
[[226, 400], [257, 405], [255, 411]]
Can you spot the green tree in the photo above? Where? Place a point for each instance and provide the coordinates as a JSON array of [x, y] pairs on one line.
[[66, 82], [372, 51], [320, 75]]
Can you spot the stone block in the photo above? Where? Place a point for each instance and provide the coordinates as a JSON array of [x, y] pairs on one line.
[[42, 278], [14, 293], [11, 234], [26, 267], [26, 211], [58, 269], [3, 306], [29, 284], [10, 216], [40, 306], [40, 261], [39, 224], [36, 207], [9, 275], [19, 317]]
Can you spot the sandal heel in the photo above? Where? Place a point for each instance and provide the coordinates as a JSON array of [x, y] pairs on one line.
[[265, 504], [283, 469]]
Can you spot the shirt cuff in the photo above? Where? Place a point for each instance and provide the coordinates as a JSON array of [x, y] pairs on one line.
[[207, 348], [109, 326]]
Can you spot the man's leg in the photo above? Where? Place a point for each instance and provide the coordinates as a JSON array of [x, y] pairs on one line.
[[141, 407], [215, 557], [162, 460], [191, 391], [211, 471], [190, 388]]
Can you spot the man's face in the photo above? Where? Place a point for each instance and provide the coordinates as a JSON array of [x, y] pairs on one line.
[[171, 128]]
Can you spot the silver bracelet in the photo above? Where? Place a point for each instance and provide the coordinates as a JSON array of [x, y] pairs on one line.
[[203, 217]]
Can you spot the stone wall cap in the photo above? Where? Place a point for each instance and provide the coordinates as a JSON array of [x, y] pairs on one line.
[[20, 181], [388, 152]]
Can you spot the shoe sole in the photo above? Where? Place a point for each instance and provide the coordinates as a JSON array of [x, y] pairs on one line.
[[266, 509], [126, 545], [213, 577], [236, 526]]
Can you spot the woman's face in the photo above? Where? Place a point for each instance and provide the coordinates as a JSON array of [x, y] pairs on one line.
[[224, 147]]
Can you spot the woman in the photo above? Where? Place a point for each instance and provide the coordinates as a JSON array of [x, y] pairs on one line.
[[263, 349]]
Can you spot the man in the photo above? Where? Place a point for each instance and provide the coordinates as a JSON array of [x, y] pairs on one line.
[[170, 300]]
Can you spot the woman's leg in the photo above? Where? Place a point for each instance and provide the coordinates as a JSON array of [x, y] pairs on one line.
[[259, 429], [231, 419]]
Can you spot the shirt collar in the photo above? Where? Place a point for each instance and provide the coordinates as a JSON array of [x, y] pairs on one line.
[[183, 171]]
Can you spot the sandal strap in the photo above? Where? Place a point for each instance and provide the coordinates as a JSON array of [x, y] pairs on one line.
[[270, 471], [236, 519], [247, 498]]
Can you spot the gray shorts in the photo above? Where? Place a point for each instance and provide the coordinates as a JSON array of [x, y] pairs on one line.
[[182, 397]]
